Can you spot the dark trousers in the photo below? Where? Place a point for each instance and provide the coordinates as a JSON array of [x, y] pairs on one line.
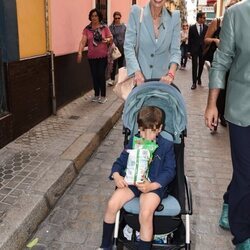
[[239, 191], [118, 62], [98, 69], [197, 75], [184, 51]]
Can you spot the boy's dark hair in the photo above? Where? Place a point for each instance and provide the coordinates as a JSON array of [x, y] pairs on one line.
[[150, 117], [98, 12]]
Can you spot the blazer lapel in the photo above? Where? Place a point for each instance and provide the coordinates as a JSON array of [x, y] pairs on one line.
[[148, 22], [164, 27]]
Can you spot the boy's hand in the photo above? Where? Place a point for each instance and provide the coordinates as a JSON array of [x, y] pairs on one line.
[[145, 186], [119, 180]]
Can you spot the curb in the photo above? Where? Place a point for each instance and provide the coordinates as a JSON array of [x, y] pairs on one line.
[[33, 206]]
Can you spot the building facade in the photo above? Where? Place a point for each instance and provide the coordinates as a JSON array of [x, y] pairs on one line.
[[38, 70]]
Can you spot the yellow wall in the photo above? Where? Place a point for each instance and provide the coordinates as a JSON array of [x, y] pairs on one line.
[[31, 27]]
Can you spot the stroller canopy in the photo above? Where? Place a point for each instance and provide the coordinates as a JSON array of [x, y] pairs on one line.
[[164, 96]]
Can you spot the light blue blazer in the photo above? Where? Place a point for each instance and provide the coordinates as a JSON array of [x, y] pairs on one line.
[[154, 57], [233, 54]]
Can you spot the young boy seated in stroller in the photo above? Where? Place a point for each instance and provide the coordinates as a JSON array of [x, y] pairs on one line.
[[152, 189]]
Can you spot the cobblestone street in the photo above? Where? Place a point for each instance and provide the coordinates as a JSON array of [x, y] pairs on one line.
[[76, 220]]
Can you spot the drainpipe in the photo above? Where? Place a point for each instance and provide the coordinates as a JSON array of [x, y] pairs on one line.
[[53, 83], [51, 53]]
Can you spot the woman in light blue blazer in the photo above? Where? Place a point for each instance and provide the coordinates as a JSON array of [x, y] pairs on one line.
[[159, 42]]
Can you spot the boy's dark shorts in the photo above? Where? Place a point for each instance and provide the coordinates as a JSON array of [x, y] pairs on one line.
[[160, 191]]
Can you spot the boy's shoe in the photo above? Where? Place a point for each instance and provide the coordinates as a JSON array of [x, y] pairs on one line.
[[245, 245], [110, 82], [223, 222], [102, 100], [95, 99]]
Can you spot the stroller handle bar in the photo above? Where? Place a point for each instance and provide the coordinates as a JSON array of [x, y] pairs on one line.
[[158, 80]]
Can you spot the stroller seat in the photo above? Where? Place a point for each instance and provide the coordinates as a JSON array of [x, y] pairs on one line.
[[171, 206]]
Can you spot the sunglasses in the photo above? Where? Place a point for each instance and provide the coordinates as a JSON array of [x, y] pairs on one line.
[[117, 18]]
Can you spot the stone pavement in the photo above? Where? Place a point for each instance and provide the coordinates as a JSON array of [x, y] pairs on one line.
[[37, 167], [76, 221]]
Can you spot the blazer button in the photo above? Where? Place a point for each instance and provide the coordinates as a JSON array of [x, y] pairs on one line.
[[152, 55], [151, 66]]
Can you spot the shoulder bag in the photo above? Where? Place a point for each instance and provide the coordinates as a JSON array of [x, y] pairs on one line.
[[125, 83]]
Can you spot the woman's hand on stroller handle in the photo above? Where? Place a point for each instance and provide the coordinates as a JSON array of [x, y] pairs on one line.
[[138, 78], [168, 78]]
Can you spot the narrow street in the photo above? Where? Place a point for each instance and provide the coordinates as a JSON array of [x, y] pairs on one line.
[[75, 223]]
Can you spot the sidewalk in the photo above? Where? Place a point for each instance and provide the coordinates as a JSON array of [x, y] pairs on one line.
[[40, 165], [75, 223], [37, 167]]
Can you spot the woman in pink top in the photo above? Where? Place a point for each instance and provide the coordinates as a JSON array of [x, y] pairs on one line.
[[98, 36]]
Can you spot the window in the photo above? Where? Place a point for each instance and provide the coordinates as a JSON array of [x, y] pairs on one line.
[[102, 6]]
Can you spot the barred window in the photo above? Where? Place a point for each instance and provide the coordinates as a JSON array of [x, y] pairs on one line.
[[102, 6]]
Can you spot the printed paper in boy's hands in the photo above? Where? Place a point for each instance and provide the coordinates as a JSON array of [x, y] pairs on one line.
[[137, 165], [139, 159]]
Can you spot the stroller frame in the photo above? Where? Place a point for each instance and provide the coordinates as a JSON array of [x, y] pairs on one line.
[[178, 234]]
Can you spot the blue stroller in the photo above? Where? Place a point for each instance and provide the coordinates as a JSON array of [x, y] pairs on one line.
[[168, 219]]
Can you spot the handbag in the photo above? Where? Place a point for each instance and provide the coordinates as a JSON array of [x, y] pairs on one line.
[[125, 83], [124, 87], [116, 53]]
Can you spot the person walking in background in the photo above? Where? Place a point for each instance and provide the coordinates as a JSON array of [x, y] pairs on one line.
[[211, 43], [233, 55], [212, 39], [118, 30], [97, 36], [159, 43], [195, 47], [184, 45]]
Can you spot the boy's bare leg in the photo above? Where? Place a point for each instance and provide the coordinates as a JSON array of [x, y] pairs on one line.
[[116, 202], [148, 204]]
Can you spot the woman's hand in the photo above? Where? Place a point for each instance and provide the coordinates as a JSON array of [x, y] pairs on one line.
[[169, 78], [138, 78], [217, 41], [107, 40], [79, 58], [119, 180]]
